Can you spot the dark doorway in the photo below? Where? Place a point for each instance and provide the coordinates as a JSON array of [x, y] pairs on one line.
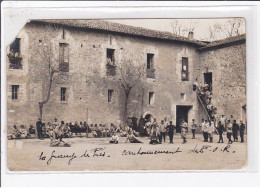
[[148, 117], [208, 80], [181, 114]]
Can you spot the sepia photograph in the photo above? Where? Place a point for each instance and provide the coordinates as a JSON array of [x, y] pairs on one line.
[[127, 95]]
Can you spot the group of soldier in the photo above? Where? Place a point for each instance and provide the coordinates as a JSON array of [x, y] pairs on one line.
[[156, 132]]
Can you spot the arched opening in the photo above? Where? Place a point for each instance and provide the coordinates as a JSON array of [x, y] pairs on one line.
[[148, 116]]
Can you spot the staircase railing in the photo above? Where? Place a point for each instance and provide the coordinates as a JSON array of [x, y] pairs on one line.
[[201, 102]]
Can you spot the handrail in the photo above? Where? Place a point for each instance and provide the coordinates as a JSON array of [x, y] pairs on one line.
[[202, 103]]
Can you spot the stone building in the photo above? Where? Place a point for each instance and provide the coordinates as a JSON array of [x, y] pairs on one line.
[[88, 54]]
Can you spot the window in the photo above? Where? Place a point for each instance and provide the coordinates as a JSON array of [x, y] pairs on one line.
[[150, 61], [110, 94], [15, 89], [150, 71], [185, 69], [151, 98], [64, 57], [15, 46], [111, 57], [14, 56], [63, 34], [183, 96], [63, 94]]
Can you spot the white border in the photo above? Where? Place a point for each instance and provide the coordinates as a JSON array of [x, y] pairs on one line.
[[19, 12]]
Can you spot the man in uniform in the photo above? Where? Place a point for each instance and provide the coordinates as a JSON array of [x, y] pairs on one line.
[[235, 129], [39, 128], [193, 128], [242, 131], [170, 128]]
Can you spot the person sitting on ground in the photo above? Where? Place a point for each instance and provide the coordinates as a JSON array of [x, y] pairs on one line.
[[132, 138], [123, 133], [114, 139], [56, 140], [15, 133], [71, 127], [154, 138], [31, 131], [67, 132], [23, 132]]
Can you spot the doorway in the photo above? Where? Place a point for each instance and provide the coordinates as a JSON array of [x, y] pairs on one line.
[[181, 114], [208, 80]]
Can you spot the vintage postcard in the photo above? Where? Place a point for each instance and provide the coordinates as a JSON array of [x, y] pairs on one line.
[[127, 95]]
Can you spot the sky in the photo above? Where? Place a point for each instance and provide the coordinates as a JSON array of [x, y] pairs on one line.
[[201, 32]]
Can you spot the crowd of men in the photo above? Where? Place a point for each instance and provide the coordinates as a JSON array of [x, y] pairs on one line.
[[156, 132]]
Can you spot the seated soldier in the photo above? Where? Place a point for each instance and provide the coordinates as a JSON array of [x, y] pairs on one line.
[[103, 130], [23, 132], [154, 137], [98, 130], [56, 141], [71, 126], [31, 132], [132, 138], [67, 132], [77, 128], [15, 133], [114, 139]]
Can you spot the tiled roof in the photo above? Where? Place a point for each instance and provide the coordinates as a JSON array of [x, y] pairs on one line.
[[124, 29], [224, 42]]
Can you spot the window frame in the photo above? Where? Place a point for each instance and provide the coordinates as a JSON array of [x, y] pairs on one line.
[[63, 96], [151, 98], [150, 61], [110, 95], [185, 62], [15, 93]]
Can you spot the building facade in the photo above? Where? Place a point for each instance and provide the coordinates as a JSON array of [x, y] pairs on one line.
[[86, 87]]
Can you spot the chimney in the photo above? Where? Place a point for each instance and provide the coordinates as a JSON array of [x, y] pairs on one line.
[[190, 35]]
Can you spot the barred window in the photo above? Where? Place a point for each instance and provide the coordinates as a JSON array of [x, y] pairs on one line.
[[63, 94], [15, 89]]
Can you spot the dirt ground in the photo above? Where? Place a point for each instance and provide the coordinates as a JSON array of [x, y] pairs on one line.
[[96, 154]]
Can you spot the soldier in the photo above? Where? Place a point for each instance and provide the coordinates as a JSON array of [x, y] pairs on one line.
[[229, 131], [162, 130], [221, 129], [193, 128], [242, 131], [170, 128], [206, 128], [39, 128], [235, 129], [184, 129]]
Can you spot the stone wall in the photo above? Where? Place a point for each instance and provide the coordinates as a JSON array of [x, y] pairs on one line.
[[87, 84], [228, 66]]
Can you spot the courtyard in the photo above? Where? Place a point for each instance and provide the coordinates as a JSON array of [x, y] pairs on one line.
[[96, 154]]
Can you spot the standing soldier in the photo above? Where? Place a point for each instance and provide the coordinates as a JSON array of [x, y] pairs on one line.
[[211, 130], [193, 128], [184, 129], [170, 128], [229, 131], [162, 130], [202, 128], [206, 128], [39, 126], [235, 129], [221, 129], [242, 131], [222, 120]]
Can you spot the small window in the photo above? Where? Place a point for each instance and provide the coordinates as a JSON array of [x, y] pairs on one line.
[[111, 57], [183, 96], [150, 60], [15, 89], [185, 69], [15, 46], [151, 98], [64, 57], [63, 34], [63, 94], [110, 95]]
